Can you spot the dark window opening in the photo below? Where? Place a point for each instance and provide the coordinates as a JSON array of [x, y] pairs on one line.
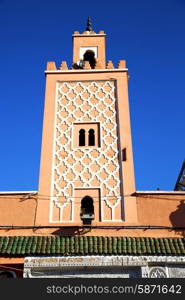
[[90, 57], [6, 274], [87, 210], [91, 137], [82, 137], [124, 155]]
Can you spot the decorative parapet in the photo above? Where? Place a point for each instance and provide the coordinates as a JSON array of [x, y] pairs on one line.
[[98, 65], [51, 65], [89, 32], [63, 66], [101, 32], [86, 65], [121, 64], [110, 65]]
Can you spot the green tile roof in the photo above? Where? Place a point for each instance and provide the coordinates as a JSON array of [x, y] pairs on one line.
[[89, 245]]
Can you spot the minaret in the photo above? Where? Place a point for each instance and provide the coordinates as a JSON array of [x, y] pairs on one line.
[[86, 171]]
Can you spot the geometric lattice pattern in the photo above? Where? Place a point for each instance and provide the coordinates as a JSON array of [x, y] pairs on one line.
[[81, 102]]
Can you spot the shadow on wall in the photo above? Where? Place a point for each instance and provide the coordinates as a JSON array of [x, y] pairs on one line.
[[71, 231], [177, 218]]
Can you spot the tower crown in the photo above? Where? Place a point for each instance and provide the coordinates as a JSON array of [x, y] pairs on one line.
[[89, 52], [89, 46]]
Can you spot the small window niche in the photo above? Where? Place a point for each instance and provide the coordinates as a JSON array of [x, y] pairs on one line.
[[91, 137], [89, 56], [81, 137], [86, 135], [87, 210]]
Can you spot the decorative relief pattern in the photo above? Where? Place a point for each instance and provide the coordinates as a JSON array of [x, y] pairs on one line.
[[86, 101]]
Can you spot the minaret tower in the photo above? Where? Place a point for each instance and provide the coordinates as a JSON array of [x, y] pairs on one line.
[[86, 171]]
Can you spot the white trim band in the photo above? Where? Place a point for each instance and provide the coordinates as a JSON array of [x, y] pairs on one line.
[[85, 71]]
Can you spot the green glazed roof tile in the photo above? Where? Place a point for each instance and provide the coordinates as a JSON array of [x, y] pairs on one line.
[[89, 245]]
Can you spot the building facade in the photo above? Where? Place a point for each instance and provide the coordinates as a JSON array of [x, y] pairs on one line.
[[87, 219]]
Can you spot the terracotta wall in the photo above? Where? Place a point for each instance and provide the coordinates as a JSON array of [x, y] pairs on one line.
[[161, 209], [17, 210], [153, 210]]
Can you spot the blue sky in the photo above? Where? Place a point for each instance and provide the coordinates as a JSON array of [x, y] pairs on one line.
[[148, 34]]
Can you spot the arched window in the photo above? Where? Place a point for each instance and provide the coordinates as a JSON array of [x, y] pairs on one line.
[[91, 137], [82, 137], [7, 274], [87, 210], [89, 56]]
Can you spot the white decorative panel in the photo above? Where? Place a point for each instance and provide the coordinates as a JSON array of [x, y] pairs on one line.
[[84, 49], [85, 102]]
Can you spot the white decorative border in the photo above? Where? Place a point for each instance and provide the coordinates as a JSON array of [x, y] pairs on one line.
[[58, 262]]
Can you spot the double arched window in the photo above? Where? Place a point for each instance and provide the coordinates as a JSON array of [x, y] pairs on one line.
[[82, 137], [91, 137], [86, 135]]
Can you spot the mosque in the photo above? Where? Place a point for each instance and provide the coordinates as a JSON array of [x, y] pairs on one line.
[[87, 219]]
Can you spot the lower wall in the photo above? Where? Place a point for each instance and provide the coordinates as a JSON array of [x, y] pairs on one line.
[[98, 232], [154, 209]]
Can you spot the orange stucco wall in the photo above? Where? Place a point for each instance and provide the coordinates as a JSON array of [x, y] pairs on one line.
[[153, 210], [16, 210], [161, 209]]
